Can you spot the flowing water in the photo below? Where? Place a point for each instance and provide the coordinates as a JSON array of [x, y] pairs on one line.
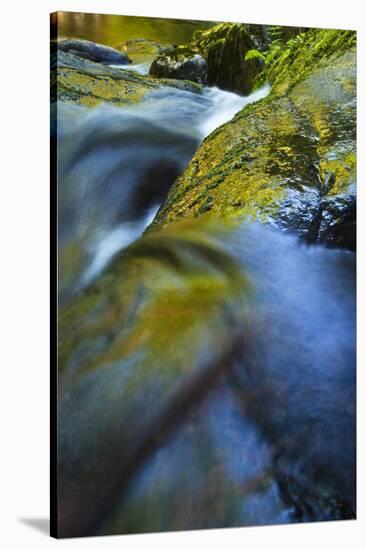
[[281, 430], [274, 440], [203, 435], [116, 166]]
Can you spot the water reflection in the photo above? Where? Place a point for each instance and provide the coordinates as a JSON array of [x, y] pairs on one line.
[[114, 29]]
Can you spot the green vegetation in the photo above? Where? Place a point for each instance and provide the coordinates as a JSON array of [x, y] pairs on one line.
[[255, 54]]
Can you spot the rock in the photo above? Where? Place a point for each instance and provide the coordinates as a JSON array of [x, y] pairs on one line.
[[84, 82], [180, 63], [93, 52], [260, 35], [289, 159], [131, 369], [224, 47], [81, 81]]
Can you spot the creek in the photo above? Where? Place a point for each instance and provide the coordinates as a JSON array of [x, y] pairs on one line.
[[272, 441]]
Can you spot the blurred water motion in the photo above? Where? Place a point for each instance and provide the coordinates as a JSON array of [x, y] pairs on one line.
[[116, 166], [202, 379]]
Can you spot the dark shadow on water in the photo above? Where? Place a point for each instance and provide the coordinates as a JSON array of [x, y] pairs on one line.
[[40, 524]]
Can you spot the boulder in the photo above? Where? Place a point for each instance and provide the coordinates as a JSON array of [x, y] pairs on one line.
[[93, 52], [288, 160], [180, 63]]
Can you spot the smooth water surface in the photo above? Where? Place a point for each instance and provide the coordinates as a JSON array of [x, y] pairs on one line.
[[111, 30]]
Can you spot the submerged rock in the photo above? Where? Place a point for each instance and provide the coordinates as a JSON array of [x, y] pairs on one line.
[[138, 48], [288, 160], [197, 346], [136, 354], [93, 52]]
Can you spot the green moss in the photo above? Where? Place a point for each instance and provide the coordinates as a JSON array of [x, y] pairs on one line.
[[299, 142], [224, 47], [181, 52], [203, 40], [305, 53], [183, 279], [92, 90], [247, 177]]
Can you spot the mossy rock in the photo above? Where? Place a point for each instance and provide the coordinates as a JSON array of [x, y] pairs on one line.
[[151, 379], [224, 47], [80, 81], [223, 50], [290, 159], [305, 53], [130, 363]]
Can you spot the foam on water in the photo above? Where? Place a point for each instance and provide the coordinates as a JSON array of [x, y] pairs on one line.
[[140, 68], [225, 105], [109, 242]]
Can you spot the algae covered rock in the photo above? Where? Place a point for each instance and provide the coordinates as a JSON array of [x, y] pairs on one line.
[[305, 52], [181, 63], [81, 81], [289, 159], [93, 52]]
